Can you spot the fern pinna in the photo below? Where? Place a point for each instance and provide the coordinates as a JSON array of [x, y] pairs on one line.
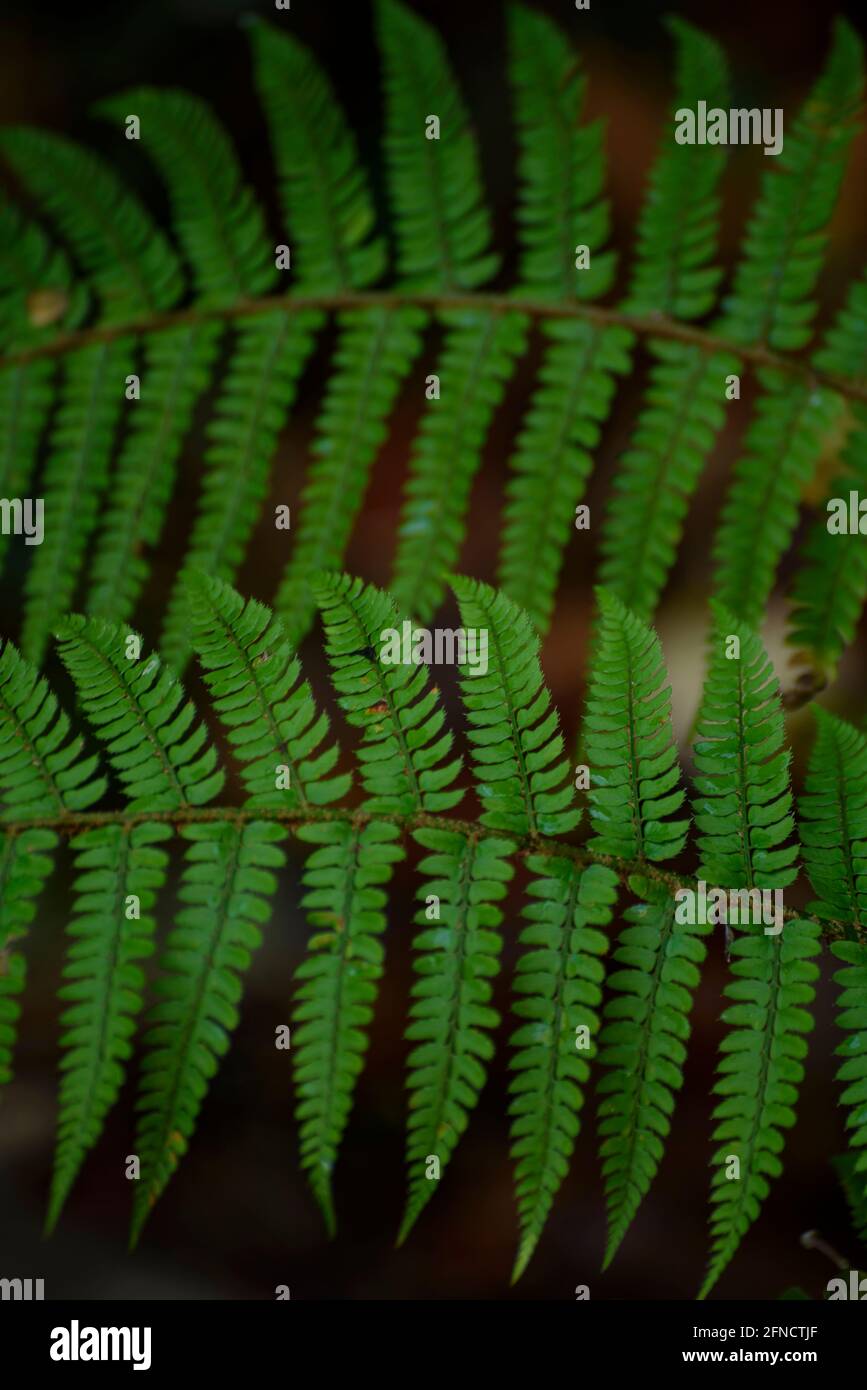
[[118, 335]]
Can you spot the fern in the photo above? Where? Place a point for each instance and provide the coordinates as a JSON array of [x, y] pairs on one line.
[[119, 872], [218, 314], [132, 275], [830, 587], [636, 788], [834, 817], [558, 981], [743, 814]]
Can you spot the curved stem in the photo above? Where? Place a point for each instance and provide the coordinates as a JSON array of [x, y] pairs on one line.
[[650, 325], [74, 822]]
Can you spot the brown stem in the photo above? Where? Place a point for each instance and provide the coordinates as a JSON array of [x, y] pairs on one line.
[[650, 326], [75, 822]]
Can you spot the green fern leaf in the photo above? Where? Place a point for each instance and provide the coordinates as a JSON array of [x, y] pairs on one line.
[[643, 526], [782, 252], [636, 788], [451, 1017], [560, 165], [76, 477], [26, 860], [137, 707], [42, 773], [217, 220], [177, 369], [552, 460], [522, 775], [634, 772], [442, 225], [643, 1044], [401, 756], [226, 886], [833, 830], [558, 989], [375, 352], [678, 227], [781, 450], [743, 816], [324, 193], [272, 721], [345, 880], [477, 361], [830, 584], [103, 984]]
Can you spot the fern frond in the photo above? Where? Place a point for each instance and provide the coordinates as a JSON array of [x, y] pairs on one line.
[[785, 239], [833, 831], [634, 772], [558, 989], [830, 584], [561, 165], [155, 744], [109, 933], [678, 229], [177, 369], [216, 218], [42, 772], [781, 450], [743, 810], [253, 676], [345, 880], [255, 399], [477, 360], [635, 790], [76, 476], [401, 714], [226, 887], [26, 860], [375, 352], [451, 1017], [552, 459], [325, 198], [759, 1076], [682, 415], [442, 225], [522, 775], [643, 1043], [743, 814]]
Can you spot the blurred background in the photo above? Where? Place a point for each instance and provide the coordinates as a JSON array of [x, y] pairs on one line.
[[237, 1219]]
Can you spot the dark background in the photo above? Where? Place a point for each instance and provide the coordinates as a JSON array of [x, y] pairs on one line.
[[237, 1219]]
